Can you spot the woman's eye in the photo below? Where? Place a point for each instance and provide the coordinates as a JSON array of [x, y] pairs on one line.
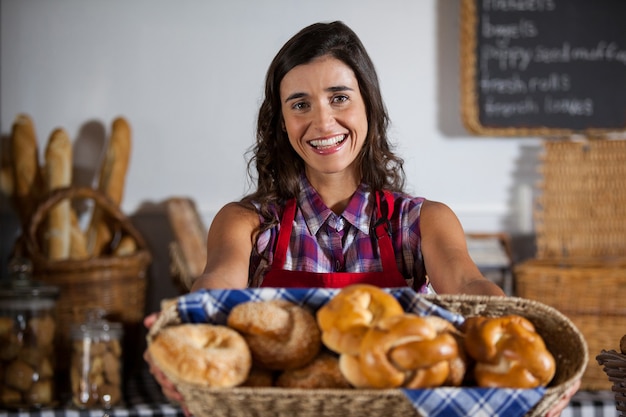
[[340, 99], [299, 105]]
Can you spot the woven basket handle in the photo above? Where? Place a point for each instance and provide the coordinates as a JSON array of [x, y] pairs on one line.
[[60, 194]]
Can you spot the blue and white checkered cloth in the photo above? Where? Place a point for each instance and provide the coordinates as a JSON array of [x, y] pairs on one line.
[[213, 306]]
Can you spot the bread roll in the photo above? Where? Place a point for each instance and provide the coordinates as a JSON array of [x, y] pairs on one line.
[[58, 174], [346, 318], [410, 351], [259, 377], [322, 372], [281, 335], [202, 354], [28, 186], [508, 351], [110, 182]]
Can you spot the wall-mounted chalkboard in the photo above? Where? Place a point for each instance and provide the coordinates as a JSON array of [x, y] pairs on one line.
[[543, 67]]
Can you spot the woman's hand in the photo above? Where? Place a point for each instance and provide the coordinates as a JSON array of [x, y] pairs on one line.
[[167, 387], [563, 401]]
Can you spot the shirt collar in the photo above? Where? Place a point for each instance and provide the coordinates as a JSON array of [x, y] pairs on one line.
[[358, 212]]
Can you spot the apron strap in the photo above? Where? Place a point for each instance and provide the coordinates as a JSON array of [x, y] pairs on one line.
[[286, 224], [382, 229]]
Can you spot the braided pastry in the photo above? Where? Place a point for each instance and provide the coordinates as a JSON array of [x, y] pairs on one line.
[[345, 319], [407, 351], [508, 352]]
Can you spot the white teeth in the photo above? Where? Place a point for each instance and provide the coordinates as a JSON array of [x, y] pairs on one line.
[[327, 142]]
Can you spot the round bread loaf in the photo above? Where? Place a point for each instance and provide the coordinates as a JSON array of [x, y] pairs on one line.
[[281, 335], [203, 354], [322, 372]]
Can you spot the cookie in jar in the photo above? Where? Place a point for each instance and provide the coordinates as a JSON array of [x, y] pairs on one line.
[[96, 363], [27, 336]]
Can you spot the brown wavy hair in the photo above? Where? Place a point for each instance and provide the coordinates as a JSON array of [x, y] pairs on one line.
[[278, 166]]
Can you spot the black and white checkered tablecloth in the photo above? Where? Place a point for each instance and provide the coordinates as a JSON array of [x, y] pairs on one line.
[[143, 398]]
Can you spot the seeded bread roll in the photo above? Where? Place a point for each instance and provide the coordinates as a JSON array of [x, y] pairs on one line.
[[58, 174], [322, 372], [281, 335]]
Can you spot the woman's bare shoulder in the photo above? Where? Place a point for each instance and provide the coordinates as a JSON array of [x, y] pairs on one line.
[[434, 210], [236, 215]]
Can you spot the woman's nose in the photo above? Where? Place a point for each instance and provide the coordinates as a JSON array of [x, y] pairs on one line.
[[323, 118]]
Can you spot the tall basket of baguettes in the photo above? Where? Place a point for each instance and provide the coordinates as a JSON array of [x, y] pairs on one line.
[[580, 225], [97, 258]]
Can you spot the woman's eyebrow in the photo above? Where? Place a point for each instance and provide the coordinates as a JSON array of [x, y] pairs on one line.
[[339, 88], [295, 96], [333, 89]]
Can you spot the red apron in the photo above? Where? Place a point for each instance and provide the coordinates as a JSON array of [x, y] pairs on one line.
[[387, 278]]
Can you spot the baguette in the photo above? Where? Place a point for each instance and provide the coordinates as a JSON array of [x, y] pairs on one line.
[[127, 246], [111, 183], [27, 177], [6, 167], [58, 174], [78, 242]]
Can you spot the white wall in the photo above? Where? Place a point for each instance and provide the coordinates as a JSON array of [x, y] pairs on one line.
[[188, 75]]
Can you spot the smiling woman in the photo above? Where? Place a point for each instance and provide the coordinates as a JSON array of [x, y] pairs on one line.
[[330, 208], [324, 117]]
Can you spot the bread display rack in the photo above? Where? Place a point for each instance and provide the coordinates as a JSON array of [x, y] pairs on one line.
[[562, 338]]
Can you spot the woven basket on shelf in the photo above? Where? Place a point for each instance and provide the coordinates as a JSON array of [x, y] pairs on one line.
[[614, 364], [581, 209], [116, 284], [580, 222], [561, 337], [590, 294]]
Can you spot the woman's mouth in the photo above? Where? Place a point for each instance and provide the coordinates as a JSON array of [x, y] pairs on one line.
[[328, 143]]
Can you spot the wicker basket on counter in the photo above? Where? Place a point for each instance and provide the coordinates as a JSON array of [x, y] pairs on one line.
[[116, 284], [562, 338], [580, 222]]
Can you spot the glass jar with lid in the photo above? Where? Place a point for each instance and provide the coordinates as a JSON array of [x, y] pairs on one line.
[[27, 339], [96, 363]]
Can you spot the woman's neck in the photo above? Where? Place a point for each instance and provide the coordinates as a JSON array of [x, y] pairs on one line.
[[336, 190]]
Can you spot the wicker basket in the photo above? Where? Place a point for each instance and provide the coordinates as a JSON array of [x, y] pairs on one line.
[[561, 336], [614, 364], [116, 284], [580, 222], [581, 210], [591, 294]]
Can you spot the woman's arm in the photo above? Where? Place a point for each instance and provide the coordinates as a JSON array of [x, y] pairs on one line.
[[448, 263], [229, 245]]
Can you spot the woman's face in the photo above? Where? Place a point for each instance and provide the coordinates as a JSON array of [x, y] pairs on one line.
[[324, 115]]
